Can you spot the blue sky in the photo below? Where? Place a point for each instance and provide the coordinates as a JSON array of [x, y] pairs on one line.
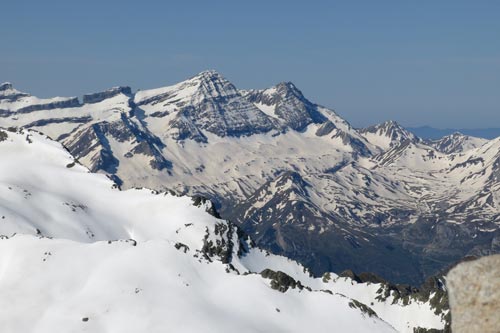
[[417, 62]]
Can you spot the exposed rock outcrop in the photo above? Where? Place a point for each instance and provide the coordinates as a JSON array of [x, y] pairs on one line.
[[474, 293], [101, 96]]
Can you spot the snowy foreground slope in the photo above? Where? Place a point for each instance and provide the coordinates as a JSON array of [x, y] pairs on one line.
[[79, 255]]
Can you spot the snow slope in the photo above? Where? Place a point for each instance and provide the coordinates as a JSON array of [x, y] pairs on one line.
[[77, 254]]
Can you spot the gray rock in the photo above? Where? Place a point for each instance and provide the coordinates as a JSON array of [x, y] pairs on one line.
[[186, 129], [326, 128], [453, 143], [391, 129], [5, 86], [101, 96], [218, 107], [349, 140], [474, 293], [67, 103], [289, 104]]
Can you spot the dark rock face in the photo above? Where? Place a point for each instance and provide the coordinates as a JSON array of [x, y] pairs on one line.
[[182, 247], [5, 86], [11, 98], [429, 330], [3, 136], [495, 175], [280, 281], [47, 121], [158, 161], [289, 104], [7, 93], [349, 140], [92, 140], [68, 103], [199, 200], [351, 275], [326, 128], [101, 96], [219, 108], [433, 291], [363, 308], [223, 248], [391, 130], [213, 105], [389, 156], [453, 143], [14, 95], [187, 130]]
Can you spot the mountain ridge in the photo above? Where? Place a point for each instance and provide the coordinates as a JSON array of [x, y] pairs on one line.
[[432, 133], [205, 137]]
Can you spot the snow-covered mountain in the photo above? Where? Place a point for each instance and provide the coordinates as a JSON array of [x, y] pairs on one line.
[[287, 105], [387, 135], [456, 143], [78, 254], [295, 175]]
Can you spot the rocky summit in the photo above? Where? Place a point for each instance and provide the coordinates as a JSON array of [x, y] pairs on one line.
[[293, 174]]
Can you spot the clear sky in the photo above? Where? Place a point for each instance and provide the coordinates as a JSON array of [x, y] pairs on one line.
[[431, 62]]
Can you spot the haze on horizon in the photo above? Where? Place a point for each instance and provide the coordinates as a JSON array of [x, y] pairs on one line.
[[422, 63]]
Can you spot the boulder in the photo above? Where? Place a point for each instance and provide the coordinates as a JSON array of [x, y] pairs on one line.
[[474, 294]]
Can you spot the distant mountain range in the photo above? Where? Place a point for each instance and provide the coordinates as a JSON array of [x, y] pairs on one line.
[[293, 174], [427, 132]]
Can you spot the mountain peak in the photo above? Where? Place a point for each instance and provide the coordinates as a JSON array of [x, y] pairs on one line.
[[387, 128], [390, 123], [286, 103], [6, 86], [457, 134], [287, 85], [209, 75], [456, 143], [387, 134], [206, 101], [212, 83], [288, 89]]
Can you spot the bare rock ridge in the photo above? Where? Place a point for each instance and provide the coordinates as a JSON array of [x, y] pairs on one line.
[[456, 143], [474, 295], [5, 86], [392, 133], [288, 104], [101, 96]]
